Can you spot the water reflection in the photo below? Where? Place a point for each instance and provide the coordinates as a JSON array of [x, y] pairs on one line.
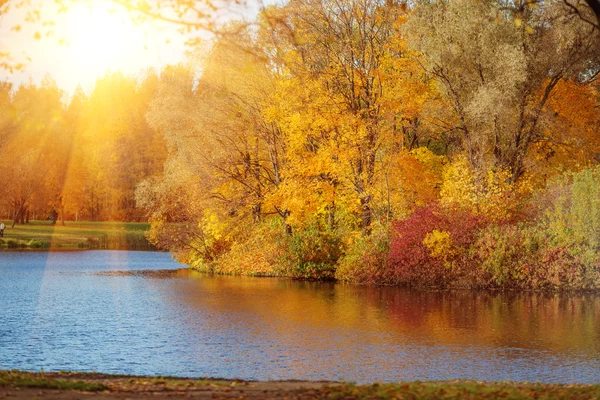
[[171, 321]]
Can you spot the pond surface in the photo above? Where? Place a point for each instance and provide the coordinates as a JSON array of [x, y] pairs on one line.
[[140, 313]]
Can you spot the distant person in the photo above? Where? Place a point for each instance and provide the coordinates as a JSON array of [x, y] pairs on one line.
[[2, 226]]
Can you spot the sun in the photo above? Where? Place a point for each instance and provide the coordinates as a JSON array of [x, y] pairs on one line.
[[99, 37], [89, 39]]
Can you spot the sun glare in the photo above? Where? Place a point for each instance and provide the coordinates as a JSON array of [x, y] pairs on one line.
[[87, 40], [101, 39]]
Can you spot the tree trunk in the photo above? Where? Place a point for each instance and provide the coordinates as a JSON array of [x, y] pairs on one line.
[[15, 219], [366, 215], [54, 216], [257, 213], [18, 214], [331, 216], [22, 216], [287, 227]]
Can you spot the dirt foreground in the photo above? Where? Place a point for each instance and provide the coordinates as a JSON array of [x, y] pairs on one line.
[[18, 385]]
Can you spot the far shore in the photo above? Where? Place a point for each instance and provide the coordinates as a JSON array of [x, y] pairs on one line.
[[80, 235], [18, 385]]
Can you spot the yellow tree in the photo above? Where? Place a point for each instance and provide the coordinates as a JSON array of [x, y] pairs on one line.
[[244, 150], [7, 122], [31, 151], [216, 126], [71, 199], [343, 100], [121, 148]]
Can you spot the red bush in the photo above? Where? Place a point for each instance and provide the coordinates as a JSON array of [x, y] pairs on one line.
[[410, 262]]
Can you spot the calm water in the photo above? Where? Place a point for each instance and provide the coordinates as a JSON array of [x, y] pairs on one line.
[[138, 313]]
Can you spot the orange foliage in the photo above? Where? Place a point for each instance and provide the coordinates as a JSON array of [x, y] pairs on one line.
[[570, 131]]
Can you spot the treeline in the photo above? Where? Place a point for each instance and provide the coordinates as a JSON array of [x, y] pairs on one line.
[[79, 158], [446, 143]]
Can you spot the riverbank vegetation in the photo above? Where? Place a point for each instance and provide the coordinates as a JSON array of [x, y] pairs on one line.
[[438, 144], [19, 385], [42, 235]]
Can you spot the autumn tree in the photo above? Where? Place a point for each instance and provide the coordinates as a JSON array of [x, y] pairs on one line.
[[344, 98], [7, 114], [174, 201], [498, 66], [567, 138], [245, 151], [31, 153], [80, 157], [72, 196], [121, 149], [215, 128]]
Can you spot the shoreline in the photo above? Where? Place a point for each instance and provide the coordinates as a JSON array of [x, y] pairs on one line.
[[39, 236], [549, 292], [421, 288], [19, 385]]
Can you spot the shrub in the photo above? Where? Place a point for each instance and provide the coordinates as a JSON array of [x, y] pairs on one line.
[[573, 211], [92, 242], [312, 253], [585, 207], [34, 244], [570, 207], [526, 257], [366, 258], [12, 244], [506, 253], [412, 261], [260, 254]]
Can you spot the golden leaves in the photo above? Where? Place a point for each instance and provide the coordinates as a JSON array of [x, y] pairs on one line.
[[438, 242], [490, 194]]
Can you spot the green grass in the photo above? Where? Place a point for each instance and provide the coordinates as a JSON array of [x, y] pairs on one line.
[[461, 390], [76, 235], [411, 390], [33, 380]]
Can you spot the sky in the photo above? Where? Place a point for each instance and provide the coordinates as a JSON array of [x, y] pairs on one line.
[[88, 40]]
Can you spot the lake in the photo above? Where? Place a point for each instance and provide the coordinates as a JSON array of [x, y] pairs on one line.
[[141, 313]]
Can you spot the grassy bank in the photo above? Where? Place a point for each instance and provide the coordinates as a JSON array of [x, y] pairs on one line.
[[63, 385], [41, 235], [19, 379]]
